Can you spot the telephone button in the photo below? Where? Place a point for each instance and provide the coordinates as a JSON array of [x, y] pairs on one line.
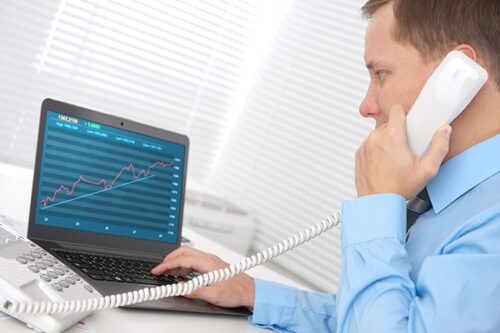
[[59, 271], [33, 268], [52, 274], [22, 260], [52, 260], [29, 257], [89, 288], [64, 284], [70, 280], [45, 277], [36, 255], [57, 287], [41, 266], [47, 263]]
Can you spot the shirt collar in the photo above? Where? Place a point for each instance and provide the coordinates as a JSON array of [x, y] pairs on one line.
[[463, 172]]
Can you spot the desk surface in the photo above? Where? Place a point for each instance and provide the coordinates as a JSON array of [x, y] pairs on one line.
[[16, 204]]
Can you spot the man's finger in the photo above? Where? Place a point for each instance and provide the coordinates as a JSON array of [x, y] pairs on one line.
[[195, 262], [183, 251], [185, 262], [437, 151], [397, 118]]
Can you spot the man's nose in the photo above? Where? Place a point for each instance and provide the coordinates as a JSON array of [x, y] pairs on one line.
[[369, 107]]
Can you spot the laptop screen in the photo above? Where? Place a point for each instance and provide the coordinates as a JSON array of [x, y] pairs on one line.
[[103, 179]]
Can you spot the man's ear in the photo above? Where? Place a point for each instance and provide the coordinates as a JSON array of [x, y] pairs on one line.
[[467, 50]]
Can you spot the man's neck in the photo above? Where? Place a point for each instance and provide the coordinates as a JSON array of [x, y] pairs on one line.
[[480, 121]]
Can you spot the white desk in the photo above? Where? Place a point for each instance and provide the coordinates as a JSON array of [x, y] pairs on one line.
[[15, 193]]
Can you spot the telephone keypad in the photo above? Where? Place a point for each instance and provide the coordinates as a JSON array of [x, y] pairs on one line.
[[39, 261]]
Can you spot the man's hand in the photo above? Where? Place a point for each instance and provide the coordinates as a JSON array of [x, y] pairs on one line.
[[239, 291], [385, 164]]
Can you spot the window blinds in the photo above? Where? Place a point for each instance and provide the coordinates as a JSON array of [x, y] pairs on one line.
[[172, 64], [290, 158]]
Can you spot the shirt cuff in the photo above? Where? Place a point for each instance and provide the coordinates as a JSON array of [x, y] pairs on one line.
[[273, 304], [372, 217]]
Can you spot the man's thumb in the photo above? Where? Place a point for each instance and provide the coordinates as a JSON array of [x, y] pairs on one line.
[[438, 149]]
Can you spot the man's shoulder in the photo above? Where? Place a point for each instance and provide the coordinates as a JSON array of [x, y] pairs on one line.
[[476, 216]]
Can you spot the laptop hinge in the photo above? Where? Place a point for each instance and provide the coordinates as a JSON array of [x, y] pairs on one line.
[[101, 250]]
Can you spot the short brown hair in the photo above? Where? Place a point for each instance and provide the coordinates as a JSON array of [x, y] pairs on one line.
[[433, 27]]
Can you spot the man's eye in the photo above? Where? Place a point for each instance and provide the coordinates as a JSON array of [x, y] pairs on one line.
[[380, 75]]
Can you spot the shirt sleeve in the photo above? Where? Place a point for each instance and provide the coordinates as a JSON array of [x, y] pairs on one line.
[[286, 309], [455, 291]]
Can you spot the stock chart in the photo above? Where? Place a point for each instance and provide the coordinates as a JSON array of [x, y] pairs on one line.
[[108, 180]]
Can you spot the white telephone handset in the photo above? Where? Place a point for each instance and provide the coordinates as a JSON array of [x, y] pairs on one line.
[[447, 92]]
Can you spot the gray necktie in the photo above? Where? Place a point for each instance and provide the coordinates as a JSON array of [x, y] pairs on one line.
[[416, 207]]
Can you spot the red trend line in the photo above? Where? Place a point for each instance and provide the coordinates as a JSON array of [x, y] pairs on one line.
[[106, 186]]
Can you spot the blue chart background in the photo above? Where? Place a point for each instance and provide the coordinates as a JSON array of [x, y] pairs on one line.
[[145, 207]]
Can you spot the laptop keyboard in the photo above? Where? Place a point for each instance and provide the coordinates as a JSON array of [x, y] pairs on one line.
[[107, 268]]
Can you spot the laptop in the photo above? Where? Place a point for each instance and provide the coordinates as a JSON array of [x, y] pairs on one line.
[[107, 200]]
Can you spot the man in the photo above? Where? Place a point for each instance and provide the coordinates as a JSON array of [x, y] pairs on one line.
[[444, 276]]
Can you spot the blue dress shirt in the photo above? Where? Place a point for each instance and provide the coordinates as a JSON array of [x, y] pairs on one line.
[[444, 278]]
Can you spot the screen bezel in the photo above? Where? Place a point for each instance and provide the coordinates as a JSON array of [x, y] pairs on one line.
[[92, 239]]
